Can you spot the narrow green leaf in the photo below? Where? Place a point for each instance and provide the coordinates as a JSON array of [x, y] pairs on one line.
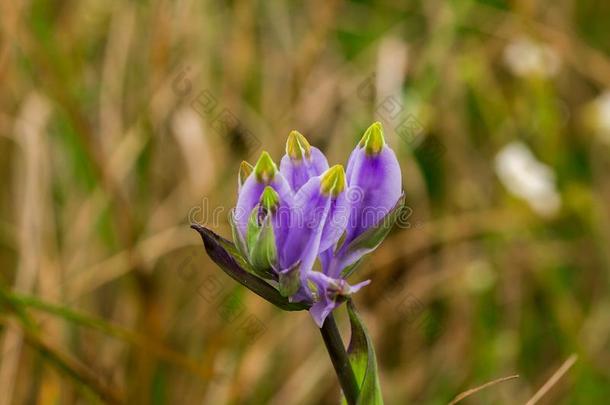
[[362, 358], [226, 256]]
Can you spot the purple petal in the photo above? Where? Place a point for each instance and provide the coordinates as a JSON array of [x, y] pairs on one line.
[[298, 171], [320, 310], [336, 222], [374, 182], [357, 287], [350, 162], [331, 293], [309, 213], [375, 187], [248, 198], [324, 304]]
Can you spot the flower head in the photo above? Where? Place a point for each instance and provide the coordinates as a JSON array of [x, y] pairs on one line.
[[287, 218]]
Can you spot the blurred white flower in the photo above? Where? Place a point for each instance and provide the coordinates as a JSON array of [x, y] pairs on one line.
[[525, 177], [525, 57]]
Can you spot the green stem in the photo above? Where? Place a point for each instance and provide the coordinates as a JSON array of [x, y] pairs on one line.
[[338, 356]]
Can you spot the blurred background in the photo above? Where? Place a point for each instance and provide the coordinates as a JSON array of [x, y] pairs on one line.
[[121, 122]]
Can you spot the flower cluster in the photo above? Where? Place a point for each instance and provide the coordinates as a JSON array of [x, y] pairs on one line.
[[305, 226]]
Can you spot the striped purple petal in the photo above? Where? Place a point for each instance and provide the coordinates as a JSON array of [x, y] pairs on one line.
[[309, 213], [298, 171], [375, 183]]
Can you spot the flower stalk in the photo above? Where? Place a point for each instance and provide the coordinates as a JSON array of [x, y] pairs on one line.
[[338, 356]]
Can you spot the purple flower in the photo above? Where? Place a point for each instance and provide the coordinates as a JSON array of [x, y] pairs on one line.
[[286, 219], [375, 181]]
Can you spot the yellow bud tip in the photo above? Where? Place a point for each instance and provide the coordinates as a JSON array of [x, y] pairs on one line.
[[265, 169], [333, 181], [245, 169], [297, 146], [373, 140], [270, 199]]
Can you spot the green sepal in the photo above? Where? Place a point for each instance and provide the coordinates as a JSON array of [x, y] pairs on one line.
[[290, 280], [262, 252], [238, 240]]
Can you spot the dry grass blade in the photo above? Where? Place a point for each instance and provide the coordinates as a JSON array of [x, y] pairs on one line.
[[30, 197], [70, 366], [553, 380], [154, 347], [471, 391]]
